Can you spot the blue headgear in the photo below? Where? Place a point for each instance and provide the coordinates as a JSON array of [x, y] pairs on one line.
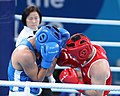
[[47, 34]]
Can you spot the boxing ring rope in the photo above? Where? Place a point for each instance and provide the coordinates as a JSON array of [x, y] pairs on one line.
[[113, 69], [76, 20], [60, 87], [83, 21]]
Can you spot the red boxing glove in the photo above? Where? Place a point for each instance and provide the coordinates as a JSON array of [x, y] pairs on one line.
[[69, 75], [66, 59]]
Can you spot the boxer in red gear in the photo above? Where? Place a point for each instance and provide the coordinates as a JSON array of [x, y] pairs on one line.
[[93, 63]]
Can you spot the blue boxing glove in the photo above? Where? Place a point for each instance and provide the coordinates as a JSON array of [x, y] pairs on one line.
[[64, 36], [48, 51], [47, 34]]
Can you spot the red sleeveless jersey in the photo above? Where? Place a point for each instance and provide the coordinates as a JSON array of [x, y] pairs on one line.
[[99, 54]]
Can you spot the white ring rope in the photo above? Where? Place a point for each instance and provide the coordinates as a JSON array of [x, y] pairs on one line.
[[85, 21], [75, 91], [113, 69], [109, 44], [60, 85], [76, 20]]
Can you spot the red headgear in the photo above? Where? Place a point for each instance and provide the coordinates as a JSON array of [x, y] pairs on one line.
[[79, 46]]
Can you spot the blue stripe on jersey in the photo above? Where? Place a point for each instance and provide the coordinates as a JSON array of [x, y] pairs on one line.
[[15, 75]]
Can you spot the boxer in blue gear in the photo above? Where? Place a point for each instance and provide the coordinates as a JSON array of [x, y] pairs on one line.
[[20, 75], [32, 58]]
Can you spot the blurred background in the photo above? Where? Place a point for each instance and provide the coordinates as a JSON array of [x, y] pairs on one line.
[[86, 9]]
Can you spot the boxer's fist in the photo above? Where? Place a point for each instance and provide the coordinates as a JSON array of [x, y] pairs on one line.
[[69, 75], [48, 52], [66, 59]]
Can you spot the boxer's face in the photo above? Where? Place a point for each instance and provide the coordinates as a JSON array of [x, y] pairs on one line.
[[33, 20]]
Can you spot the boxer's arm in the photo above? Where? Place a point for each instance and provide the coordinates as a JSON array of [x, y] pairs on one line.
[[50, 72], [28, 63], [99, 73]]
